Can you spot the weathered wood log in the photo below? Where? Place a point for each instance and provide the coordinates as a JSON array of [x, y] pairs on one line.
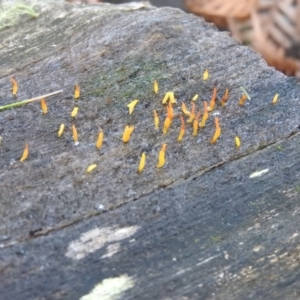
[[215, 222]]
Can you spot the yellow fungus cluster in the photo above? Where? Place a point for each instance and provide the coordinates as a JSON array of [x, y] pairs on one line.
[[192, 116]]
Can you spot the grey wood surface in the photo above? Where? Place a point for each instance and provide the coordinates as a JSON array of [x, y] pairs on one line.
[[206, 225]]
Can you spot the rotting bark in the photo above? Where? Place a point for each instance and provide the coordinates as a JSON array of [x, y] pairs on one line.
[[114, 54]]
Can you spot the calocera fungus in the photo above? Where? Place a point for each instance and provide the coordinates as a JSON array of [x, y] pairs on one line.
[[224, 98], [275, 99], [91, 168], [184, 109], [192, 115], [142, 163], [132, 105], [196, 124], [205, 116], [75, 134], [205, 75], [44, 106], [156, 119], [182, 130], [61, 130], [76, 91], [127, 133], [237, 142], [217, 132], [14, 86], [25, 153], [155, 87], [99, 141], [161, 156], [213, 100], [243, 99], [195, 97], [74, 112]]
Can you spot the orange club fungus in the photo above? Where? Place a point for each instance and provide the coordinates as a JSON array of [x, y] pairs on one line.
[[184, 109], [90, 168], [205, 116], [155, 87], [156, 119], [14, 86], [275, 99], [142, 163], [161, 156], [127, 133], [132, 105], [192, 115], [205, 75], [74, 112], [217, 132], [99, 140], [182, 130], [195, 124], [243, 99], [195, 97], [25, 153], [76, 91], [44, 106], [75, 134], [61, 130], [224, 98], [213, 100]]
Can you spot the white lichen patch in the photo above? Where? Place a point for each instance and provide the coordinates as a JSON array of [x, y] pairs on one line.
[[96, 239], [110, 288]]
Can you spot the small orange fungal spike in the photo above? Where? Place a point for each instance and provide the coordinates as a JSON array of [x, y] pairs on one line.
[[205, 75], [14, 86], [166, 98], [275, 99], [170, 111], [127, 133], [161, 156], [74, 112], [237, 142], [195, 97], [213, 100], [75, 134], [61, 130], [192, 115], [142, 163], [217, 132], [243, 99], [224, 98], [172, 98], [132, 105], [184, 109], [25, 153], [155, 87], [182, 130], [99, 140], [76, 91], [167, 124], [90, 168], [44, 106], [195, 124], [156, 120], [205, 116]]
